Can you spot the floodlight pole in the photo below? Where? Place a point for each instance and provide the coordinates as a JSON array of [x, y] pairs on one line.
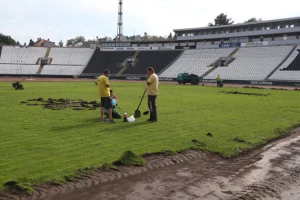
[[120, 22]]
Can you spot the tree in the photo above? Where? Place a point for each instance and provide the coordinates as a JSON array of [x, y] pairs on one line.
[[221, 19], [175, 37], [70, 42], [145, 37], [80, 39], [61, 44], [5, 39], [170, 36], [31, 43], [75, 40], [253, 19]]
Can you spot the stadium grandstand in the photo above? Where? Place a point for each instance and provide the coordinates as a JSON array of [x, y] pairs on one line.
[[264, 52]]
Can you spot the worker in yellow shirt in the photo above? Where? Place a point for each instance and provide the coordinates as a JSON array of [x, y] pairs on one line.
[[218, 80], [104, 93], [152, 90]]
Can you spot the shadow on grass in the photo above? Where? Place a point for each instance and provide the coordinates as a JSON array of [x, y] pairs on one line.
[[95, 122]]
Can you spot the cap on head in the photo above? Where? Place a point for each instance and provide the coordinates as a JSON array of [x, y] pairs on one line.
[[150, 69], [111, 90], [106, 71]]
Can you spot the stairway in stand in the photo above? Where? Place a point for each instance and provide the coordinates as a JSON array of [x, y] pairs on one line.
[[46, 56]]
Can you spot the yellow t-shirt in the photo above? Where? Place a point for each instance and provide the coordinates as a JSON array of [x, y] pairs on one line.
[[103, 90], [152, 89], [218, 78]]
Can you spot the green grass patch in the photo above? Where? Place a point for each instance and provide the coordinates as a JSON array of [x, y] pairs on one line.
[[39, 145], [20, 188], [129, 158]]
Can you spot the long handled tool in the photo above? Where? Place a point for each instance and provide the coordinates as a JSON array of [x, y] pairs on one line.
[[137, 113]]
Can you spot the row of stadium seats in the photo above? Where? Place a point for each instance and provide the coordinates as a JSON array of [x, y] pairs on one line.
[[251, 63], [292, 74], [62, 70], [65, 61], [70, 56], [47, 70], [13, 55], [107, 60], [195, 61], [18, 69], [102, 60], [254, 63], [157, 59]]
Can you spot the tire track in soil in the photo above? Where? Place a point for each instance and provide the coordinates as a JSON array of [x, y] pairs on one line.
[[285, 179]]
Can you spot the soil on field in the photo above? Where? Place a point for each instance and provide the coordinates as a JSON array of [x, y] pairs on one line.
[[244, 93], [270, 172], [59, 104]]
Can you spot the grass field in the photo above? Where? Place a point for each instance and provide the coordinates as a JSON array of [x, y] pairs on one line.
[[38, 145]]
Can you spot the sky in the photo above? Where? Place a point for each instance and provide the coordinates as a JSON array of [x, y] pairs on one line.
[[65, 19]]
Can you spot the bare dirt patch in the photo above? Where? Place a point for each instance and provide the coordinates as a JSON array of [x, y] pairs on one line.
[[244, 93], [59, 104]]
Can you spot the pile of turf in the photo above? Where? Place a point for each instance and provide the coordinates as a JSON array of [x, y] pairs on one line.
[[130, 159]]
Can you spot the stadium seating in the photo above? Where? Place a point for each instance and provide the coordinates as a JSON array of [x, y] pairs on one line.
[[254, 63], [102, 60], [195, 62], [18, 69], [156, 59], [14, 55], [71, 56], [62, 70], [250, 63], [290, 69], [110, 60]]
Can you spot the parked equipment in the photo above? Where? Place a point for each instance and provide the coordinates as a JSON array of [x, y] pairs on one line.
[[18, 86], [184, 78]]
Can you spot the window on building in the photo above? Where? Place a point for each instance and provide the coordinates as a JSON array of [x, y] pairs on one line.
[[292, 26], [287, 26], [268, 28], [278, 27]]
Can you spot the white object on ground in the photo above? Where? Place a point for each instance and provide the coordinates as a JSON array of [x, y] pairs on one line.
[[131, 119]]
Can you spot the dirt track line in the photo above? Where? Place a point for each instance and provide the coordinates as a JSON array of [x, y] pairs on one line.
[[103, 176]]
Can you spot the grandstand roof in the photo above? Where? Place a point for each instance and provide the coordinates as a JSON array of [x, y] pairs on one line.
[[241, 24]]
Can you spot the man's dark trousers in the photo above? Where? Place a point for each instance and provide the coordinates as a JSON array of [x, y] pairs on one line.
[[152, 107]]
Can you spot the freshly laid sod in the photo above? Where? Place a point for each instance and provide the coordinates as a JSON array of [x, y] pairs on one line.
[[39, 145]]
